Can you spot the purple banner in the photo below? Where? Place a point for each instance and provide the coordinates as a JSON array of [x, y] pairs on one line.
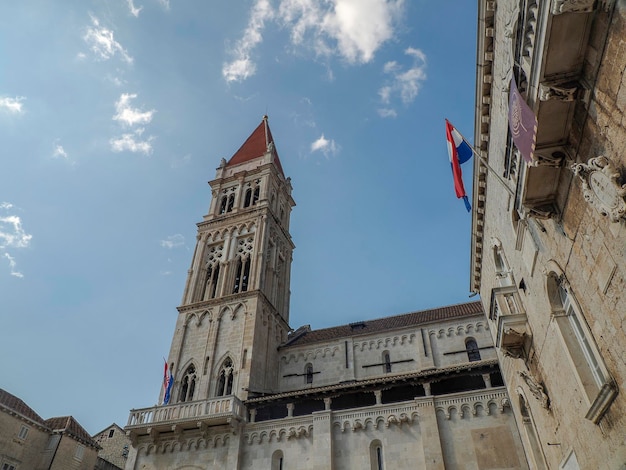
[[522, 122]]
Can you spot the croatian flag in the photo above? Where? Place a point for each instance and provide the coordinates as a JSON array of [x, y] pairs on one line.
[[168, 381], [459, 152]]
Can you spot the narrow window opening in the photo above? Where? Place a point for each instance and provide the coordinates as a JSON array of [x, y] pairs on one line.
[[386, 362], [255, 197], [308, 374], [225, 381], [473, 353], [246, 274], [231, 203], [247, 198], [379, 458], [223, 203], [237, 276], [111, 432], [188, 385], [244, 358], [206, 366]]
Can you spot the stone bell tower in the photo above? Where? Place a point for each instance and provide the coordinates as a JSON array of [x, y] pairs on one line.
[[235, 307]]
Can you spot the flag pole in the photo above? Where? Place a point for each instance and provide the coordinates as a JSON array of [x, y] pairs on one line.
[[493, 172]]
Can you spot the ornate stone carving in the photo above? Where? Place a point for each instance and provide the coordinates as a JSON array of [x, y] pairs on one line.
[[559, 90], [572, 6], [536, 389], [602, 188]]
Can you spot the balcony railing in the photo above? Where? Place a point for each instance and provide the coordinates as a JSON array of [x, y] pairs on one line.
[[211, 412]]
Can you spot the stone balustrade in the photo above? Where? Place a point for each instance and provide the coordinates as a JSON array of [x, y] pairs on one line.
[[213, 411]]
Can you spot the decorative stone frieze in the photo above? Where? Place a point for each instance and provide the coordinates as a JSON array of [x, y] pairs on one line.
[[467, 406], [559, 90], [384, 342], [460, 330], [536, 389], [310, 354], [602, 188], [292, 428], [378, 418]]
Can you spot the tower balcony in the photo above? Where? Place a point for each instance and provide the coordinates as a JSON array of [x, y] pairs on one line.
[[186, 415]]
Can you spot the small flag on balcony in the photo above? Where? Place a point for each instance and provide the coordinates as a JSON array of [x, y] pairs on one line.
[[168, 381], [522, 122], [459, 152]]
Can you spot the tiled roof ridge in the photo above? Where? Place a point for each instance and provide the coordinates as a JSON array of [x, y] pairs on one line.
[[429, 316], [71, 427], [19, 407]]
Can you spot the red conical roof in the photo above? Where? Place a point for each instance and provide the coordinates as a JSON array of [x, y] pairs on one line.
[[256, 146]]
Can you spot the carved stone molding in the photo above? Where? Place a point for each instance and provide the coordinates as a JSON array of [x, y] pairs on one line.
[[572, 6], [602, 188], [559, 90], [536, 389]]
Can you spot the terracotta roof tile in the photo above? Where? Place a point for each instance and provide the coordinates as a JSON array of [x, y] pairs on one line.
[[15, 404], [255, 146], [387, 323], [69, 425]]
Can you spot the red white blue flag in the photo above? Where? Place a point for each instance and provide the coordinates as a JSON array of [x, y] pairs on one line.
[[168, 381], [459, 152]]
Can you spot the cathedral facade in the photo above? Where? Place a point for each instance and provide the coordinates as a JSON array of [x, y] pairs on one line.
[[418, 390]]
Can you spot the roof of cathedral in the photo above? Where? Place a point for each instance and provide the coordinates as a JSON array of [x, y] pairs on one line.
[[256, 146], [68, 425], [300, 336], [17, 405]]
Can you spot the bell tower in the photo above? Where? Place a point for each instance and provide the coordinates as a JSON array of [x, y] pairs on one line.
[[235, 307]]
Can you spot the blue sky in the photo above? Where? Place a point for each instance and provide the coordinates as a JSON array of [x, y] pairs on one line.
[[115, 114]]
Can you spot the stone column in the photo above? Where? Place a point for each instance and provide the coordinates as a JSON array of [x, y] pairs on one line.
[[427, 388], [253, 415], [487, 379], [379, 396], [327, 402], [290, 407]]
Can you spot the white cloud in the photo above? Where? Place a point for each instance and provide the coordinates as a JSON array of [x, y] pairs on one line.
[[132, 143], [173, 241], [12, 105], [404, 84], [165, 4], [133, 10], [102, 42], [242, 66], [327, 147], [12, 265], [12, 235], [387, 112], [128, 115], [351, 29], [59, 151]]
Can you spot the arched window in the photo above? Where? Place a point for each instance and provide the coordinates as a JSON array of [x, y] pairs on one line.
[[277, 460], [225, 379], [256, 195], [223, 203], [376, 455], [531, 434], [589, 366], [473, 353], [248, 198], [308, 373], [188, 384], [242, 270], [212, 275], [386, 362], [231, 203]]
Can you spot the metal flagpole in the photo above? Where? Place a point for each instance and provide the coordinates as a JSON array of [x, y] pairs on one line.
[[484, 162]]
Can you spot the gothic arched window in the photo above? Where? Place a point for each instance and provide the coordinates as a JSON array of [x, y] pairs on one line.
[[225, 378], [376, 455], [188, 384], [242, 270], [473, 353], [277, 460], [212, 275]]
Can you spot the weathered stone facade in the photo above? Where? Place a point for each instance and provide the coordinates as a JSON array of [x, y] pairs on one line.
[[114, 445], [419, 390], [27, 441], [548, 234]]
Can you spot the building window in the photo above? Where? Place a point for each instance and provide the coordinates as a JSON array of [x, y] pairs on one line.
[[473, 353], [80, 452], [111, 432], [308, 374], [225, 379], [242, 272], [592, 374], [277, 460], [376, 455], [188, 384], [23, 432], [386, 362], [212, 273], [8, 466], [252, 196], [227, 203]]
